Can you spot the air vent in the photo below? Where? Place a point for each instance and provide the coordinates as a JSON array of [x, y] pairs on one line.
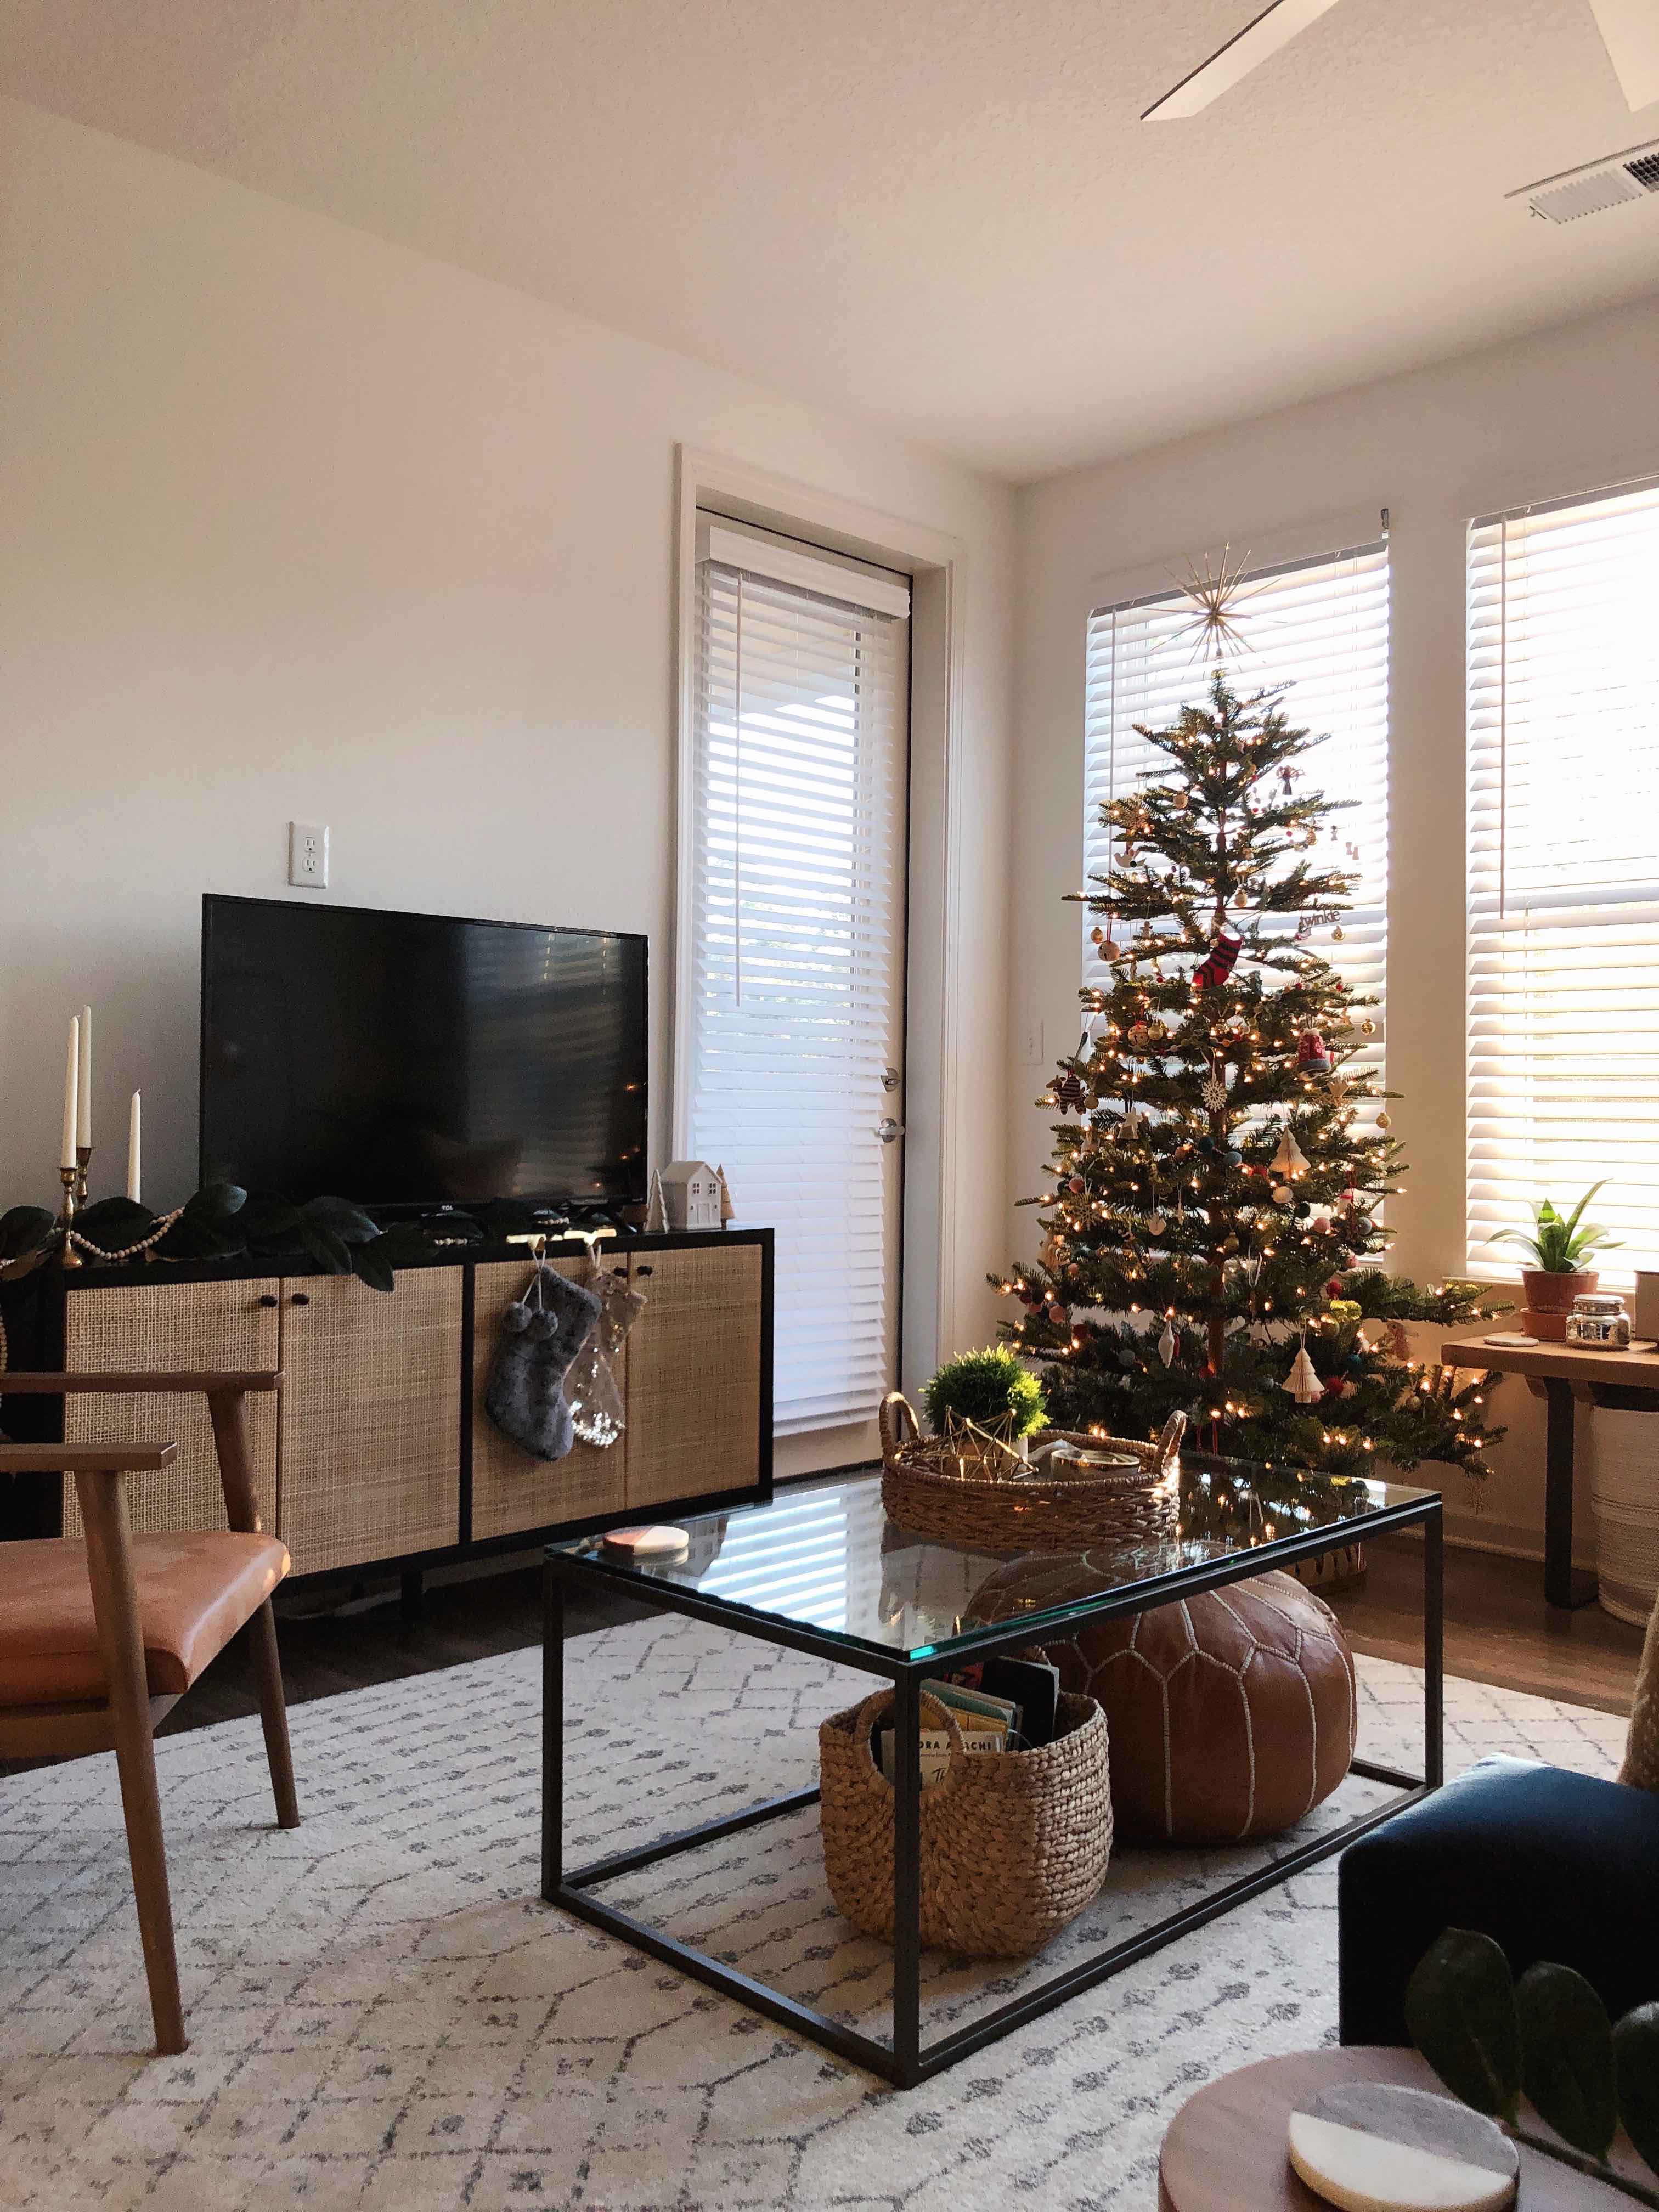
[[1594, 186]]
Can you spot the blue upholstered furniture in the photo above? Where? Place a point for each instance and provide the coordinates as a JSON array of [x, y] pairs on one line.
[[1551, 1864]]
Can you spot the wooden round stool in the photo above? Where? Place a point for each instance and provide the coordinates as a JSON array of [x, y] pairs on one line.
[[1225, 2150]]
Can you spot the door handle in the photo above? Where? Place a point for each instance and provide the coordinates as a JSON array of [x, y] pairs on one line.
[[889, 1130]]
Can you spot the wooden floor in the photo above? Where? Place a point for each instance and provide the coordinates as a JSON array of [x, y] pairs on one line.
[[1498, 1628]]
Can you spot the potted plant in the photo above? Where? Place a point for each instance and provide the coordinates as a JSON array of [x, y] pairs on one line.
[[993, 1389], [1559, 1244]]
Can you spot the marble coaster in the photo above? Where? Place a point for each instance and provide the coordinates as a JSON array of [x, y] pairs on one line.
[[662, 1540], [1368, 2147]]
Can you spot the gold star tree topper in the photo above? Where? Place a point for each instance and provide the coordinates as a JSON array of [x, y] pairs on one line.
[[1216, 598]]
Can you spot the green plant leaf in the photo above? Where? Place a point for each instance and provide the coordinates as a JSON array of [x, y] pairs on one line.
[[1566, 2056], [349, 1222], [23, 1229], [14, 1271], [268, 1220], [372, 1266], [215, 1202], [197, 1236], [115, 1223], [1635, 2070], [1459, 2013], [332, 1253]]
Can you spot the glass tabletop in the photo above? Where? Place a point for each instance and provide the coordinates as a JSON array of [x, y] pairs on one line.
[[824, 1557]]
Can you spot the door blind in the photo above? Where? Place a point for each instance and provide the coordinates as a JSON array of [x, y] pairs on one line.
[[1564, 871], [790, 980], [1321, 626]]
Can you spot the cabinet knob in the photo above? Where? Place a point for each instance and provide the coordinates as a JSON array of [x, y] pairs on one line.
[[643, 1270], [268, 1300], [300, 1299]]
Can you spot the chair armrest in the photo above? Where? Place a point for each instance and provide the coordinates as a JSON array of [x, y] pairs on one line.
[[191, 1383], [86, 1459]]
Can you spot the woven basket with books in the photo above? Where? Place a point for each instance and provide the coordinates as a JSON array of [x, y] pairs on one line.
[[1014, 1844], [970, 1486]]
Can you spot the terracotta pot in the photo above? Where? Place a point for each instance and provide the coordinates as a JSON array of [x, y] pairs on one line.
[[1549, 1300]]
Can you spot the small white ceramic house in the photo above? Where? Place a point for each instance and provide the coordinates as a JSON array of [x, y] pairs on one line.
[[691, 1194]]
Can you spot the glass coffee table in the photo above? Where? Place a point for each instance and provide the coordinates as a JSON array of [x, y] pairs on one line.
[[822, 1570]]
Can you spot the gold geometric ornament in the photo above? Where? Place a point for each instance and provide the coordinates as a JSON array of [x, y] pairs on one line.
[[1217, 599]]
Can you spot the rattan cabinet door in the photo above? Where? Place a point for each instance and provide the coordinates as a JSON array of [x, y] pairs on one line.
[[131, 1327], [511, 1489], [694, 1374], [370, 1457]]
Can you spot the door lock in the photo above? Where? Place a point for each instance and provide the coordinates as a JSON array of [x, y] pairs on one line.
[[889, 1130], [891, 1078]]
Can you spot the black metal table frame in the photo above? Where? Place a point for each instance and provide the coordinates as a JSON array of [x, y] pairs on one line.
[[905, 2062]]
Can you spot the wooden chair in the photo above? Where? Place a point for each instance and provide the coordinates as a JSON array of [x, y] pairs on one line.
[[98, 1640]]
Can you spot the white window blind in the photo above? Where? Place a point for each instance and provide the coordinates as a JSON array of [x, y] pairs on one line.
[[1321, 626], [791, 974], [1564, 871]]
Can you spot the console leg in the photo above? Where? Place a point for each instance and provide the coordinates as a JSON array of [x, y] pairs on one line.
[[1565, 1585], [411, 1598]]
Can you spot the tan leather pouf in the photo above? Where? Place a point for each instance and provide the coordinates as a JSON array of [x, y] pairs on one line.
[[1228, 1715]]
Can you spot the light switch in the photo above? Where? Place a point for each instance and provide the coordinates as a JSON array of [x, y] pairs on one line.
[[307, 856]]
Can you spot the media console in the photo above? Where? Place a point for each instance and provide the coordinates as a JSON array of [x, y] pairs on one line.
[[377, 1455]]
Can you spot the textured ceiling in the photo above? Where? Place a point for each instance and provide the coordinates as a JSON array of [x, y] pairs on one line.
[[942, 215]]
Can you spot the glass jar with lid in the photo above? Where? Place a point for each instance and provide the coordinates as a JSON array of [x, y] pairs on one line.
[[1599, 1318]]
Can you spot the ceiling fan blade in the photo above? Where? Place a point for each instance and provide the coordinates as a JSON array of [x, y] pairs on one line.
[[1275, 27], [1629, 32]]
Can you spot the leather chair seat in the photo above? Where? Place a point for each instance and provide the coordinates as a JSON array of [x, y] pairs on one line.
[[196, 1588]]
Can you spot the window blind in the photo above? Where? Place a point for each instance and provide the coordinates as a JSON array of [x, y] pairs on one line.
[[1563, 832], [791, 976], [1321, 626]]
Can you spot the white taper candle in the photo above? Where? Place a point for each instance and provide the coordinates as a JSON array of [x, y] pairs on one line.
[[83, 1090], [71, 1077], [135, 1119]]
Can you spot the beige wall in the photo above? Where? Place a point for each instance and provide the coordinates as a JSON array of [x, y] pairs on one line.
[[296, 523], [1572, 409]]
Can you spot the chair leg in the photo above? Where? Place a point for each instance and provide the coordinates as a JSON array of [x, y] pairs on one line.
[[273, 1713], [115, 1608], [135, 1756]]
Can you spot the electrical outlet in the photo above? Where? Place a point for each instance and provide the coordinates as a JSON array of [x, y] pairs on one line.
[[307, 856], [1034, 1054]]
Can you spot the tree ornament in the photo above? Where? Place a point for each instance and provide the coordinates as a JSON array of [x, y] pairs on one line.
[[1069, 1091], [1368, 1027], [1384, 1121], [1290, 1159], [1132, 1125], [1336, 933], [1214, 1094], [1219, 962], [1312, 1056], [1180, 804], [1166, 1344], [1156, 1224], [1076, 1185], [1302, 1383], [1340, 1087], [1282, 1194]]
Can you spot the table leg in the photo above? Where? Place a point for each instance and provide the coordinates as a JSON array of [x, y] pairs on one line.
[[1434, 1648], [1563, 1584], [907, 1880], [552, 1732]]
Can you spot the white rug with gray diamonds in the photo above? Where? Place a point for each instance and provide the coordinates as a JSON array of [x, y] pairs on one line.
[[383, 2014]]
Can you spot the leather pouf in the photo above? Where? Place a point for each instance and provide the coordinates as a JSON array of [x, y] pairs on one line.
[[1228, 1715]]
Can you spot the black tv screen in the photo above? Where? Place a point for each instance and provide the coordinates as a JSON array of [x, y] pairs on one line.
[[411, 1060]]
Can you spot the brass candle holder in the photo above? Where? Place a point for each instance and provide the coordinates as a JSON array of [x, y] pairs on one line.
[[82, 1158], [73, 1185]]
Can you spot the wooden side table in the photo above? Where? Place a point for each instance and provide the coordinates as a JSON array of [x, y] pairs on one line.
[[1224, 2151], [1558, 1373]]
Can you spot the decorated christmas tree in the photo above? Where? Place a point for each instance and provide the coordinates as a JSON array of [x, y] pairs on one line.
[[1222, 1150]]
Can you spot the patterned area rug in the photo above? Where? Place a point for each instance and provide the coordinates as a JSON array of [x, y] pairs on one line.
[[383, 2014]]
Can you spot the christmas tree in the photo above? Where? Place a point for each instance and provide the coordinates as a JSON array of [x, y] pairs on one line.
[[1216, 1199]]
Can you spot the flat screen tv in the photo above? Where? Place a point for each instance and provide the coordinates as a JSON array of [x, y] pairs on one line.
[[413, 1061]]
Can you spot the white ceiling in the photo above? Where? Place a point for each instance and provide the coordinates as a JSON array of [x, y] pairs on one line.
[[942, 215]]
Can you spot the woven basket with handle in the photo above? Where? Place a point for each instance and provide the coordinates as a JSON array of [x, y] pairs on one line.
[[1014, 1844], [970, 1488]]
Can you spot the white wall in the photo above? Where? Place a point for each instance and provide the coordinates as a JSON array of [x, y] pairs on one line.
[[296, 522], [1566, 412]]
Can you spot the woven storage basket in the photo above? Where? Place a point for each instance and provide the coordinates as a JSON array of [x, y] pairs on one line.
[[1014, 1844], [976, 1491]]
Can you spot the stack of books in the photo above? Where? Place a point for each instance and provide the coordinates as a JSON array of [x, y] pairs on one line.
[[1004, 1705]]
